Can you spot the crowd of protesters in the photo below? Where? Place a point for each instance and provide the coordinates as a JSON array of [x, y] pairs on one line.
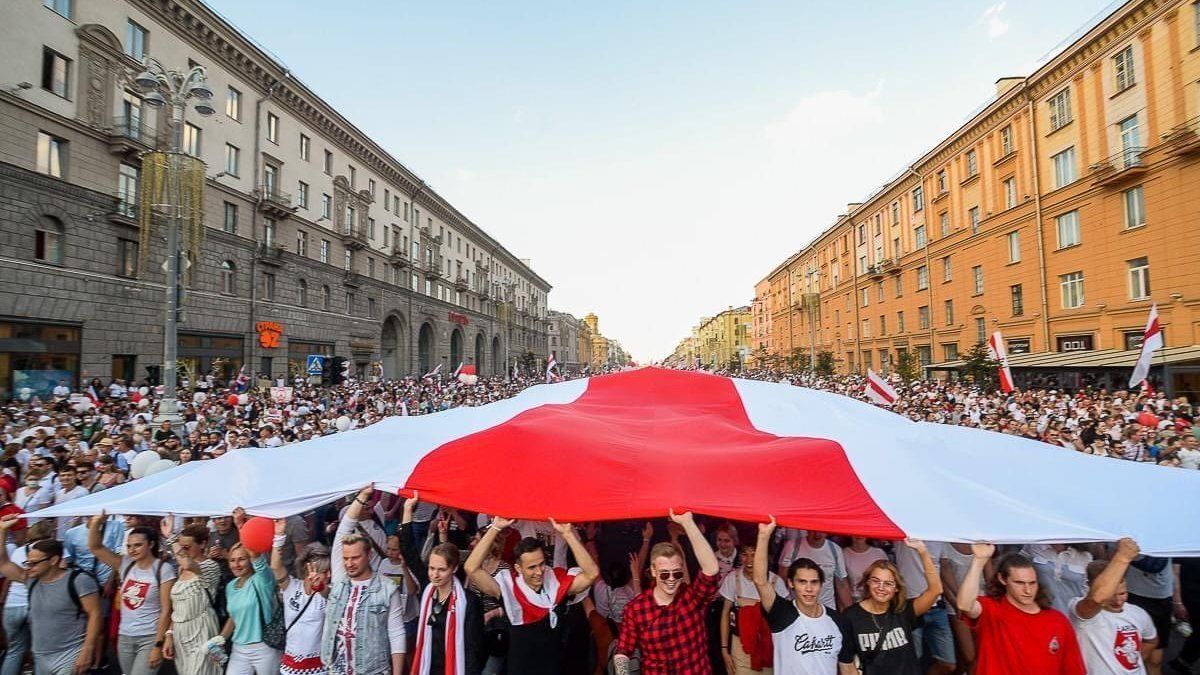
[[379, 584]]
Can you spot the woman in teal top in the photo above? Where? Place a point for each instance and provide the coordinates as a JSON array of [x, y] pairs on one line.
[[250, 601]]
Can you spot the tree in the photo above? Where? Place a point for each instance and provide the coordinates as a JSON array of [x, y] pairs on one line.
[[979, 367], [908, 366], [825, 363], [531, 364]]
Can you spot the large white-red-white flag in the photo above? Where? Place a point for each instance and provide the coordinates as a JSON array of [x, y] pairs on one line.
[[999, 353], [878, 390], [1152, 339]]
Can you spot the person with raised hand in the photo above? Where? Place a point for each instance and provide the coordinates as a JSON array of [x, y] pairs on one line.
[[666, 622], [535, 596], [1115, 636]]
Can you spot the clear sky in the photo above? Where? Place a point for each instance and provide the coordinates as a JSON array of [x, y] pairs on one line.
[[655, 159]]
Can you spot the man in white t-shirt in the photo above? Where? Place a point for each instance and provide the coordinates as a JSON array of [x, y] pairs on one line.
[[1114, 636], [1189, 454], [808, 638], [69, 488], [835, 590]]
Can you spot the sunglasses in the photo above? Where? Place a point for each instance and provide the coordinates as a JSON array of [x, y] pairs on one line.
[[30, 562], [670, 575]]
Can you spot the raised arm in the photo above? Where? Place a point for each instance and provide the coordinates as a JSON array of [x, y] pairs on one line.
[[337, 569], [968, 591], [923, 602], [8, 568], [762, 580], [589, 570], [700, 546], [277, 567], [96, 543], [1107, 582], [473, 567]]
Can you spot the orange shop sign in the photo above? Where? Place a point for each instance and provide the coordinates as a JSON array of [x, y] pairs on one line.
[[269, 333]]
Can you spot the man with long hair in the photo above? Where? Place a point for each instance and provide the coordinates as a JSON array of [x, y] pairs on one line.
[[1018, 631]]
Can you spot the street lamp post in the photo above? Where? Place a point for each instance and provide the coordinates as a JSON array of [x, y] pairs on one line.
[[174, 89]]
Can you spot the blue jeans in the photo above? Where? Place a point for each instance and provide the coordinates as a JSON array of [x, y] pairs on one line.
[[16, 627]]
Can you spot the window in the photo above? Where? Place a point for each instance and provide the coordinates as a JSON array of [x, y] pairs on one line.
[[370, 267], [348, 260], [923, 317], [1123, 69], [62, 7], [1072, 290], [302, 243], [230, 223], [899, 285], [1130, 142], [326, 298], [866, 328], [949, 309], [371, 309], [271, 180], [328, 165], [883, 324], [865, 294], [1006, 141], [232, 157], [127, 258], [302, 292], [944, 223], [1014, 246], [947, 269], [272, 127], [950, 351], [1139, 278], [1135, 207], [1064, 167], [268, 286], [1010, 192], [862, 233], [48, 240], [922, 278], [137, 40], [977, 278], [895, 213], [370, 228], [127, 190], [326, 206], [56, 72], [879, 291], [371, 187], [191, 139], [325, 251], [302, 194], [919, 236], [918, 198], [899, 322], [980, 330], [305, 147], [1068, 229], [233, 105], [349, 228], [51, 155], [973, 217], [972, 164], [1060, 109], [941, 182], [414, 283], [353, 176], [1018, 299], [268, 231], [228, 277]]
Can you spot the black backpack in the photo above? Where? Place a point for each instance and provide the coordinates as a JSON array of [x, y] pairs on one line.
[[73, 573]]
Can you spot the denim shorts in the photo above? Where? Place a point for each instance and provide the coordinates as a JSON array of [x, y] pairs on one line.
[[936, 636]]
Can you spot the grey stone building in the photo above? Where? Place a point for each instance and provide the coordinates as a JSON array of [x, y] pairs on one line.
[[317, 240], [563, 335]]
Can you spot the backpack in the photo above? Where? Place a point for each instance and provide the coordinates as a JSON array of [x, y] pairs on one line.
[[73, 573], [217, 600]]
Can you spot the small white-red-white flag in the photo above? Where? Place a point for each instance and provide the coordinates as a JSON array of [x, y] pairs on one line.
[[878, 390], [433, 373], [91, 394], [551, 364], [1152, 339], [999, 353]]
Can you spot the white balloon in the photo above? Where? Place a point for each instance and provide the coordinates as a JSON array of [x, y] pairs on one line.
[[141, 463], [243, 399], [83, 406], [160, 465], [143, 403], [199, 397], [143, 390], [343, 423]]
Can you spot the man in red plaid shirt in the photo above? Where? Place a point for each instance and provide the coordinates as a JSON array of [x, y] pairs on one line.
[[667, 621]]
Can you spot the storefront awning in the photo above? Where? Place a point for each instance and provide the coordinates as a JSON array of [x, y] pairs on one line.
[[1103, 358]]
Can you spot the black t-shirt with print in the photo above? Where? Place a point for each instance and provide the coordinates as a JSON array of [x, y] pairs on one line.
[[884, 642]]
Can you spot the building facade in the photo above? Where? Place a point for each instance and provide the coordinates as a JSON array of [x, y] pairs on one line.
[[317, 240], [564, 341], [1058, 215]]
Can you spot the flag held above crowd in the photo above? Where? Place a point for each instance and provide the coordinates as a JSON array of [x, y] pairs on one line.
[[633, 444]]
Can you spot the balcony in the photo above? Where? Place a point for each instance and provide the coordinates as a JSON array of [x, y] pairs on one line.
[[354, 238], [398, 255], [125, 211], [273, 203], [876, 270], [1183, 139], [352, 279], [131, 135], [460, 283], [433, 268], [1123, 166], [269, 254]]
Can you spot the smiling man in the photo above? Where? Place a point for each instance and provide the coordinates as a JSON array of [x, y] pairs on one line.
[[666, 622]]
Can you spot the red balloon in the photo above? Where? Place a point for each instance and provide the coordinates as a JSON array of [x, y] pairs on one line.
[[232, 400], [257, 534], [1148, 419], [135, 397]]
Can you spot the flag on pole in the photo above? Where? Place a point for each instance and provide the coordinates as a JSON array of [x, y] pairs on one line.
[[999, 353], [1152, 340], [516, 373], [458, 369], [878, 390], [551, 364], [242, 383], [433, 372]]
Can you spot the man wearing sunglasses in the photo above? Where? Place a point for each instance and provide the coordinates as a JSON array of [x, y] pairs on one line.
[[666, 622], [64, 621]]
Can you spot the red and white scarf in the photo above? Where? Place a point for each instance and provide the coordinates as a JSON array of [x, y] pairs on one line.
[[456, 652], [524, 605]]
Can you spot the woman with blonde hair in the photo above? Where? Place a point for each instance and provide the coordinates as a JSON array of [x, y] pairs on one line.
[[881, 624]]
